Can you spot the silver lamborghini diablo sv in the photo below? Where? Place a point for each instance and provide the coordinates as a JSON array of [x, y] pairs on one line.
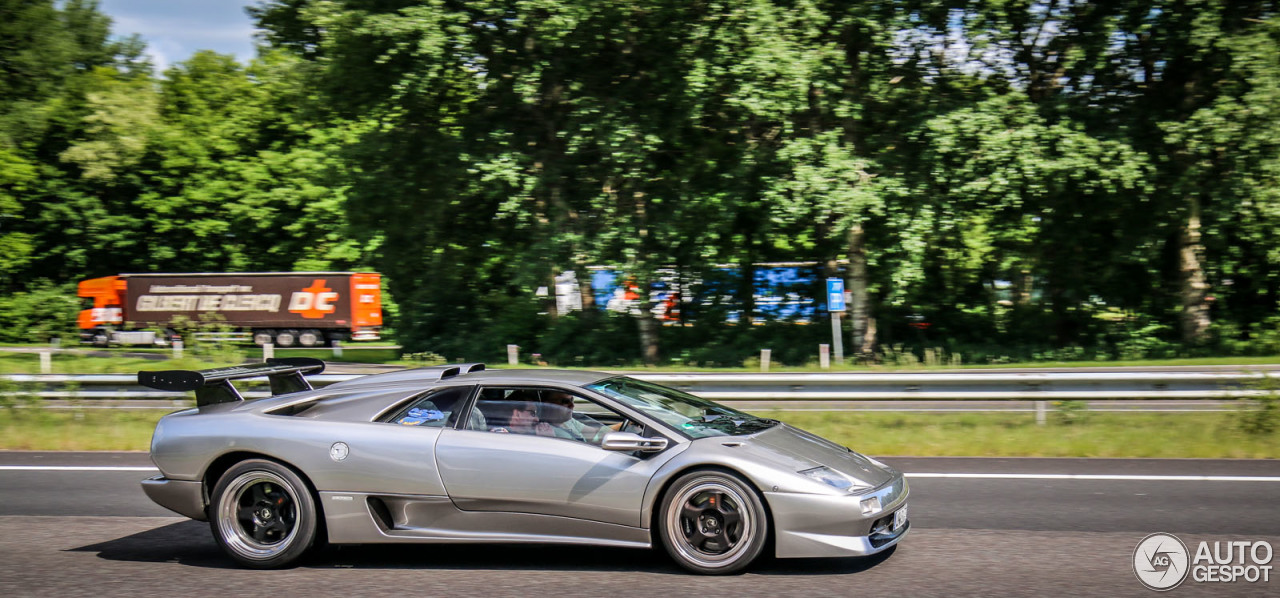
[[463, 454]]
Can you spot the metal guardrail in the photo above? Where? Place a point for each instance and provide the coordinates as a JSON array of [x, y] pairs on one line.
[[942, 386]]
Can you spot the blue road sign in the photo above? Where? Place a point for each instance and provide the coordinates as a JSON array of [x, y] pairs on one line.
[[835, 294]]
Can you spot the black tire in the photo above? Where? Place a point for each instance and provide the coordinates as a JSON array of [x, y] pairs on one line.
[[311, 338], [263, 515], [262, 337], [712, 522], [286, 338]]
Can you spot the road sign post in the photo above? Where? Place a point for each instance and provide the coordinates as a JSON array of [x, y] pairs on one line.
[[835, 305]]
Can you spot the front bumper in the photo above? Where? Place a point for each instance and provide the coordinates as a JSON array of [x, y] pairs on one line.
[[814, 525], [180, 496]]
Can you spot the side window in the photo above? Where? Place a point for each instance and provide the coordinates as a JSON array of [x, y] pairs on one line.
[[505, 410], [548, 412], [435, 409]]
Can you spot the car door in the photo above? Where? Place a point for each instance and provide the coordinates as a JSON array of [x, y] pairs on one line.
[[492, 468], [391, 455]]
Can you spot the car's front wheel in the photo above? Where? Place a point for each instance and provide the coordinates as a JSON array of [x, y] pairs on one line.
[[713, 522], [263, 515]]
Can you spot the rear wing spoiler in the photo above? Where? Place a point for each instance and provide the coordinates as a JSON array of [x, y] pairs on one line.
[[214, 386]]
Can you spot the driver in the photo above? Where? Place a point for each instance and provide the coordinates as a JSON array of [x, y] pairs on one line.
[[557, 415]]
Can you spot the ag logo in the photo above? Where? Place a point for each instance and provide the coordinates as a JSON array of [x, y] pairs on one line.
[[1161, 561], [314, 301]]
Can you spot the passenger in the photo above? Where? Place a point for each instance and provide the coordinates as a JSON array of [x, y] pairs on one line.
[[523, 419]]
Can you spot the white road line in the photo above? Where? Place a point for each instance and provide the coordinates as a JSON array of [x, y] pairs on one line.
[[1089, 476], [963, 476], [73, 468]]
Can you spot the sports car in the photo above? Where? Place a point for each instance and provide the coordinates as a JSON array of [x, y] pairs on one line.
[[461, 453]]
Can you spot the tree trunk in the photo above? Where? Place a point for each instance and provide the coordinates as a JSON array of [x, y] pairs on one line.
[[642, 270], [1026, 284], [553, 299], [1195, 305], [747, 288], [648, 325], [584, 286], [864, 332]]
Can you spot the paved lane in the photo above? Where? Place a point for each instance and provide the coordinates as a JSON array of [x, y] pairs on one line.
[[66, 533]]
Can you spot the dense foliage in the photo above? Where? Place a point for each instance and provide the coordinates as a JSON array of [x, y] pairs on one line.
[[1029, 178]]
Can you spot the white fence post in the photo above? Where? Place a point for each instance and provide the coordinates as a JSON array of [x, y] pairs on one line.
[[1041, 408], [513, 354], [764, 359], [46, 362], [824, 356], [177, 349], [337, 349], [268, 351]]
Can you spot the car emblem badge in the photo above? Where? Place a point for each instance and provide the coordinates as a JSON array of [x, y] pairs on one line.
[[339, 451]]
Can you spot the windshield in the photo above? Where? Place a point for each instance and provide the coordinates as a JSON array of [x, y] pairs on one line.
[[696, 417]]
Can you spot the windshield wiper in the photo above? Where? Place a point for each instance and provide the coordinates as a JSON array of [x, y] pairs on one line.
[[717, 420]]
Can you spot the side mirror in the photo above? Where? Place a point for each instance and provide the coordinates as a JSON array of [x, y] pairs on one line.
[[627, 442]]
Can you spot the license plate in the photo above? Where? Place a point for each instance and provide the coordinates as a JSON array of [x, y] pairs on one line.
[[900, 518]]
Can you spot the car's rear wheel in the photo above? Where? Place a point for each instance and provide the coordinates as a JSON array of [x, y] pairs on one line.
[[263, 514], [713, 522]]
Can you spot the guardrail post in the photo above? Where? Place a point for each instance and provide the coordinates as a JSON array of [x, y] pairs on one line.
[[46, 362], [1041, 408], [824, 356], [337, 348], [268, 351], [764, 359], [513, 354], [177, 349]]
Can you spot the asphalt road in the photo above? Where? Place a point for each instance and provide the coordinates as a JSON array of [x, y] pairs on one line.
[[1040, 527]]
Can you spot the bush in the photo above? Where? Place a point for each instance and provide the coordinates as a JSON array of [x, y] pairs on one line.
[[44, 312], [423, 359], [1261, 415], [1148, 342], [1071, 412]]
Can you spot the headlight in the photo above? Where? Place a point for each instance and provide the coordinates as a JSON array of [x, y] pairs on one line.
[[830, 477]]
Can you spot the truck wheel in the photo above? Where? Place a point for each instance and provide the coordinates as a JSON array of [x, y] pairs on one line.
[[310, 338], [262, 337], [286, 338]]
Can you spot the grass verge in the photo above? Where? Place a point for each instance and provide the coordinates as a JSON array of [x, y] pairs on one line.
[[37, 429], [1168, 435], [70, 363]]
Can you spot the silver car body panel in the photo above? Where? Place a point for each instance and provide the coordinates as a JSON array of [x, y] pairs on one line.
[[420, 519], [423, 484], [546, 476], [809, 525], [180, 496]]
